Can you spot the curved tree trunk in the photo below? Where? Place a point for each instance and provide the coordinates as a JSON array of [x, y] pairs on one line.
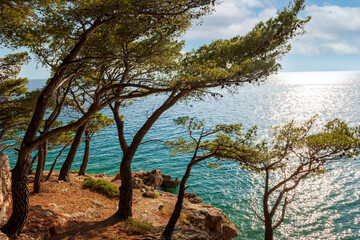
[[32, 163], [85, 161], [40, 166], [125, 202], [169, 229], [20, 188], [20, 195], [65, 169], [56, 160]]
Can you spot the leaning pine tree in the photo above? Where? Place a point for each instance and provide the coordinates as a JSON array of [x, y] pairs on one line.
[[223, 63], [59, 33]]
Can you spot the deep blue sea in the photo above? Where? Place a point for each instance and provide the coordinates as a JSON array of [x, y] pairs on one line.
[[325, 207]]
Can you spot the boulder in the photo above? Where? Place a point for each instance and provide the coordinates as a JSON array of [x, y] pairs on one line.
[[153, 178], [191, 234], [151, 194], [169, 182], [3, 236], [137, 183], [211, 220], [192, 198], [5, 187]]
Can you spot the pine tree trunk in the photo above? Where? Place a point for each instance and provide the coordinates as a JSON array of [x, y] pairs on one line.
[[169, 229], [56, 160], [20, 196], [268, 228], [20, 188], [125, 202], [32, 163], [85, 161], [42, 149], [65, 169]]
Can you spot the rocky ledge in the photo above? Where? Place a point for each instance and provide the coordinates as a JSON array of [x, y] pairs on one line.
[[87, 214]]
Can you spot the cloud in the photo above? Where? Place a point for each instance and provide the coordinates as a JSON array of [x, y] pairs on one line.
[[332, 29], [231, 18]]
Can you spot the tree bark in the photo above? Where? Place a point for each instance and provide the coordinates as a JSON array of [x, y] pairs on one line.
[[56, 160], [169, 229], [20, 192], [85, 161], [65, 169], [40, 166], [20, 196], [32, 163], [269, 233], [125, 202]]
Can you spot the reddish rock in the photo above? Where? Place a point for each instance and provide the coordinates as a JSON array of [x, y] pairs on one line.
[[5, 187], [193, 198]]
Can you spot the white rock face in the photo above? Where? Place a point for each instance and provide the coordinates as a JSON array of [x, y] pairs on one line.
[[5, 184]]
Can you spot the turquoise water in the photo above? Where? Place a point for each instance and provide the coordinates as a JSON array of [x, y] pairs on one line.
[[326, 206]]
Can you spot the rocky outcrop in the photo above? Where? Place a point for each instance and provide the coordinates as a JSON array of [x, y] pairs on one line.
[[210, 220], [168, 182], [193, 198], [5, 186], [191, 234], [151, 179], [3, 236], [137, 183]]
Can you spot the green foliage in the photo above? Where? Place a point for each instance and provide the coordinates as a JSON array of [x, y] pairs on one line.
[[136, 227], [246, 58], [221, 141], [214, 165], [97, 122], [296, 144], [294, 153], [101, 186]]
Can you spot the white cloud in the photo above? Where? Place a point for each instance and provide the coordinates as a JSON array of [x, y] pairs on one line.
[[341, 48], [231, 18], [332, 29]]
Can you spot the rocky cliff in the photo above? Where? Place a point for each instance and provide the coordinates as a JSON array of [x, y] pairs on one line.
[[5, 183]]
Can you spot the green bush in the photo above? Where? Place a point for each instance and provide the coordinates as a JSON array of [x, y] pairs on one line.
[[137, 227], [101, 186]]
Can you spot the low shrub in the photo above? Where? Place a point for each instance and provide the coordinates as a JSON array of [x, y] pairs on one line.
[[101, 186], [136, 227]]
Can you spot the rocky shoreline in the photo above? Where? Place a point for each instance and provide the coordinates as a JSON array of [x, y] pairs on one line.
[[54, 217]]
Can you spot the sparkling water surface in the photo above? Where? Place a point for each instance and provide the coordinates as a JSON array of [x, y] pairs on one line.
[[325, 207]]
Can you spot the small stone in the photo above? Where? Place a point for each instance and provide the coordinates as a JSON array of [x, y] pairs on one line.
[[150, 194], [137, 182], [55, 207], [35, 229], [3, 236], [161, 207], [98, 204], [101, 175]]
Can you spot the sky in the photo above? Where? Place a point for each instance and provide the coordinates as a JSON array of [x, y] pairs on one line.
[[331, 42]]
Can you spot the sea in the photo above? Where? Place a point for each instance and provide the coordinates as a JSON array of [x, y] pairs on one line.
[[326, 206]]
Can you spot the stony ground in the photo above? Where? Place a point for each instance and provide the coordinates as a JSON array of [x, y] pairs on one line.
[[66, 210]]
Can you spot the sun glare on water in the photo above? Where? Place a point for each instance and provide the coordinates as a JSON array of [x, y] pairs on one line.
[[314, 78]]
